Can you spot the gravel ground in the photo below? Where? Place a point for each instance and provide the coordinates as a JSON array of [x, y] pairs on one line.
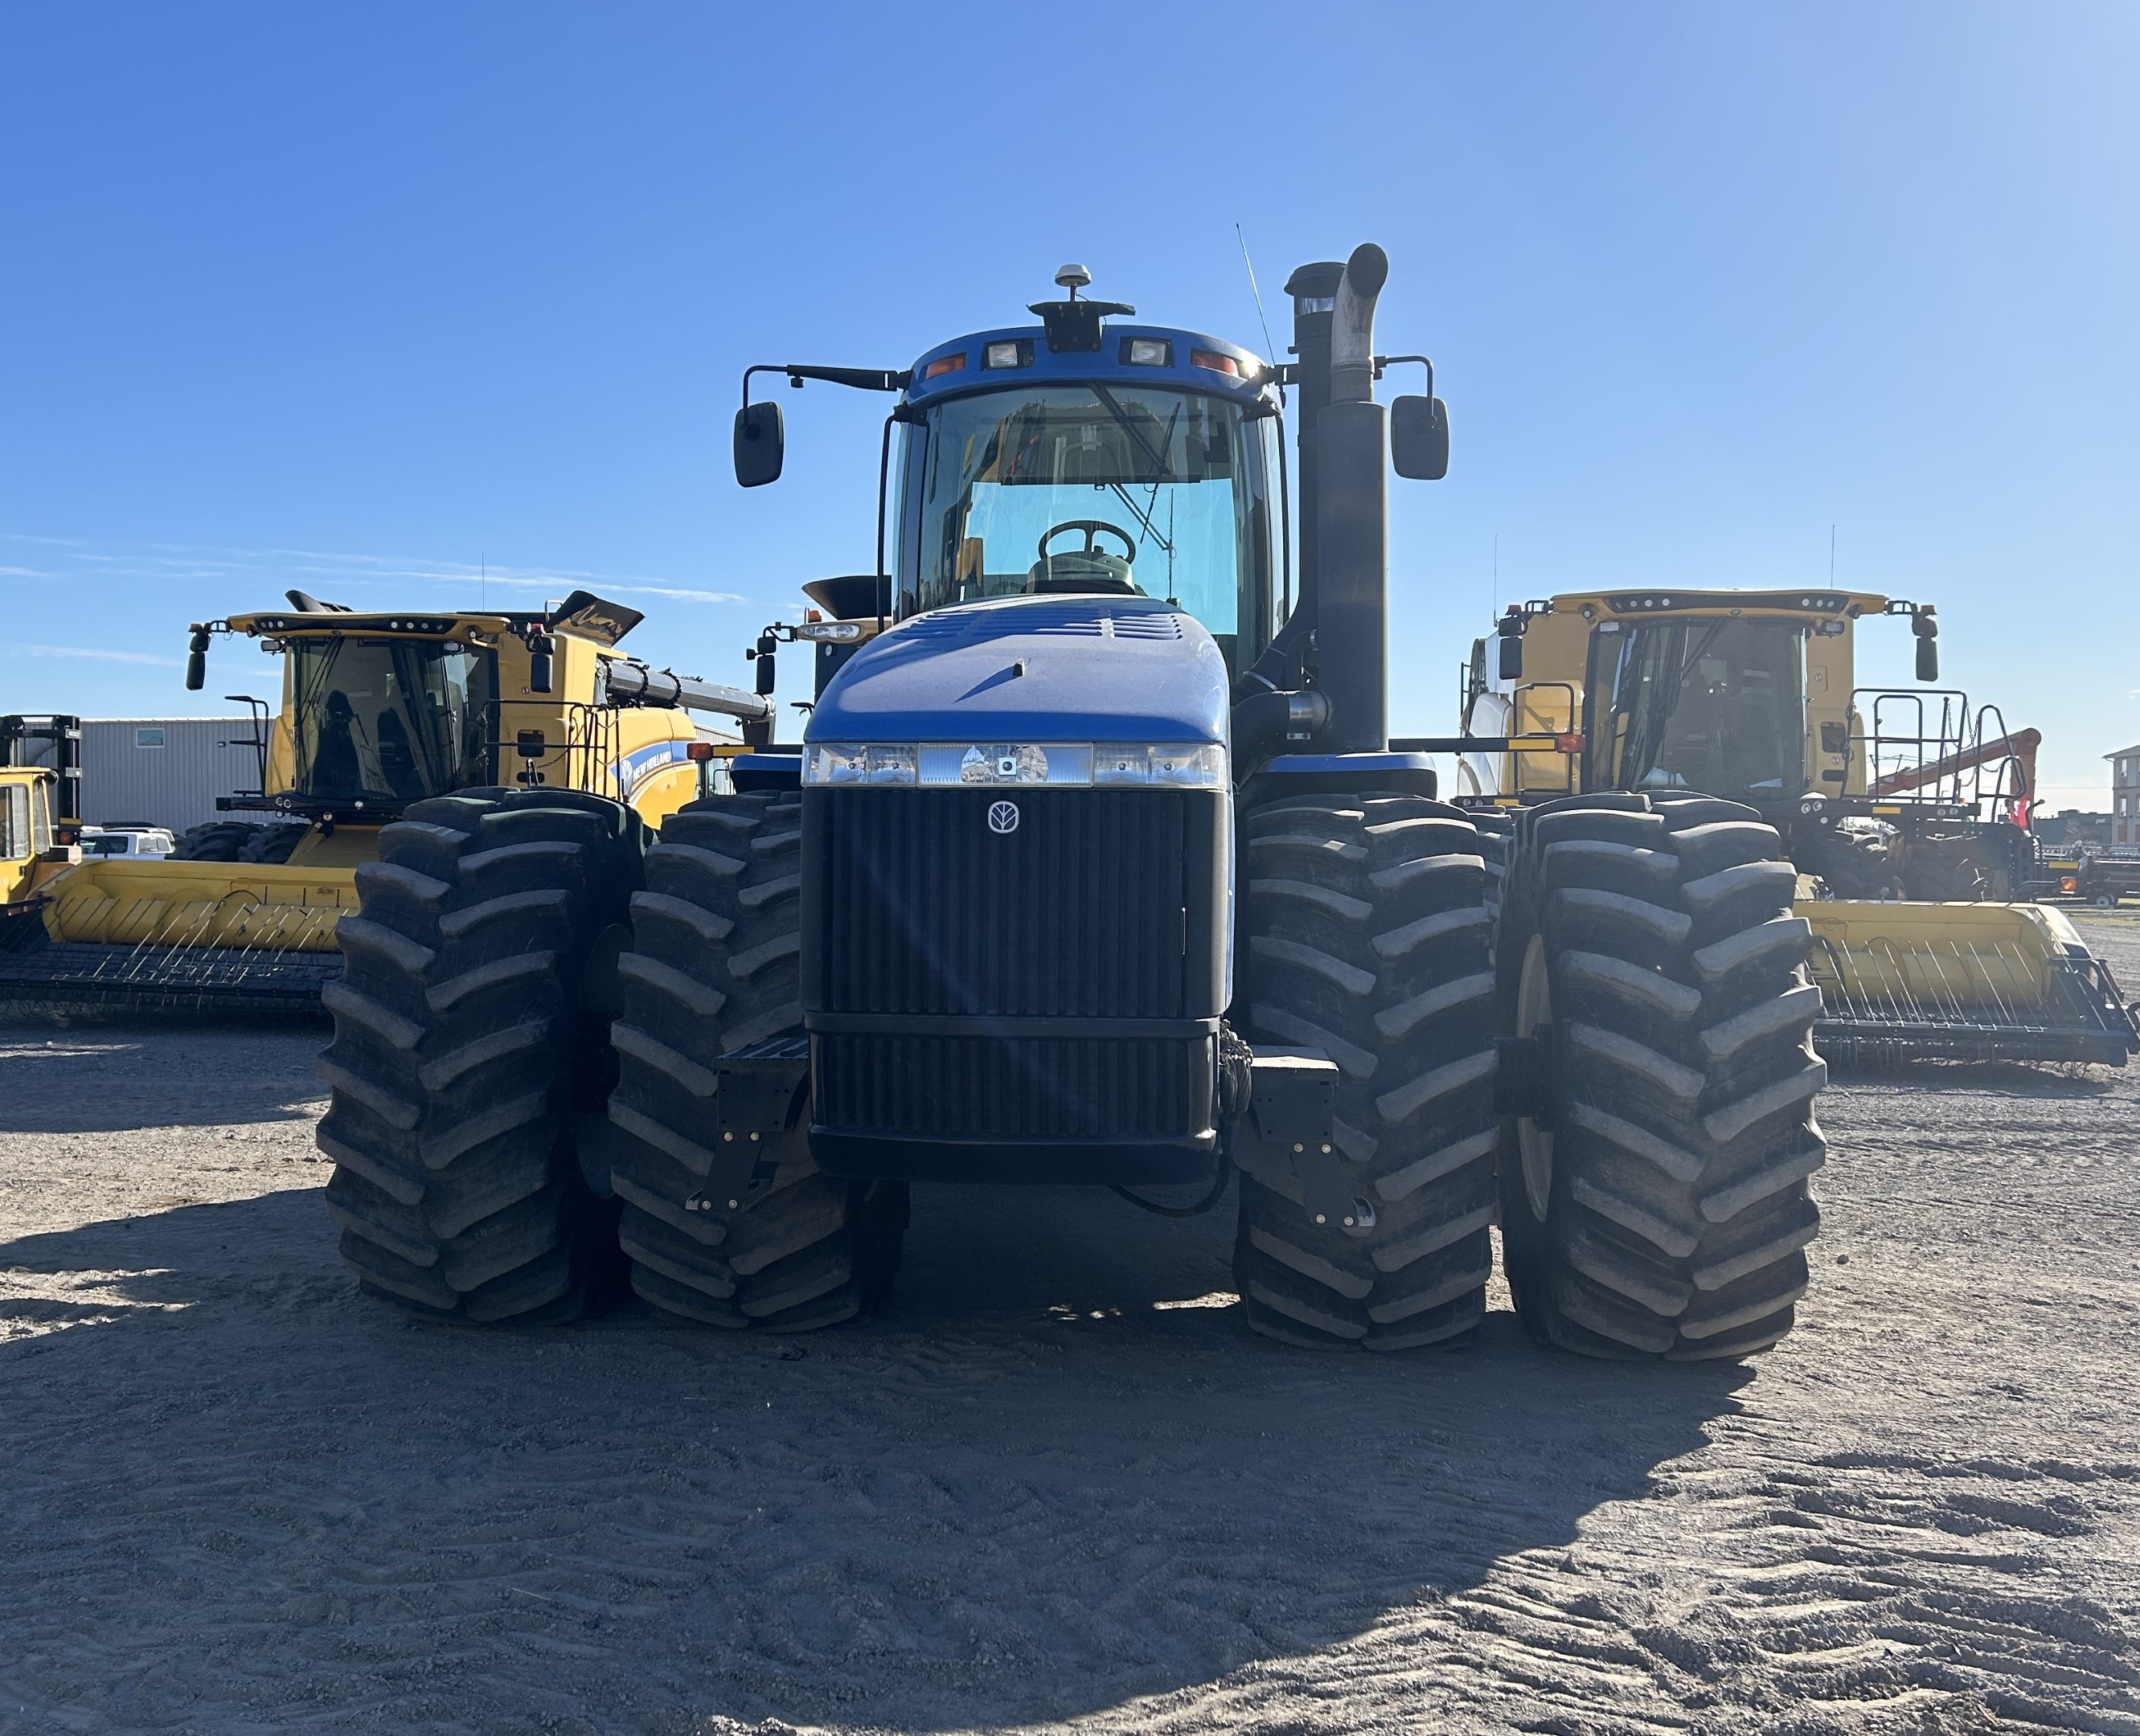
[[1058, 1484]]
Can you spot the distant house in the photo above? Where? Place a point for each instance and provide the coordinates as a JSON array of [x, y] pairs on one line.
[[2125, 795]]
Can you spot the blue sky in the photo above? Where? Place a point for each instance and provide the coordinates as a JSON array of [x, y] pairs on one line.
[[366, 299]]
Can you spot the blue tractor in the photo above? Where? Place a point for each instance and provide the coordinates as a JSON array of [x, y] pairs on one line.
[[1095, 865]]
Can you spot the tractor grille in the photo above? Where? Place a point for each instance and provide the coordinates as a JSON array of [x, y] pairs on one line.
[[1099, 906], [1078, 914], [1013, 1088]]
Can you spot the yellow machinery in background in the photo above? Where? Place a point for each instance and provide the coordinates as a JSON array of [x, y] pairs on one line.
[[380, 712], [1905, 811], [40, 804]]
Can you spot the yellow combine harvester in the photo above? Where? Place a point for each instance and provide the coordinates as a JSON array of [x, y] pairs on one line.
[[380, 713], [1904, 811]]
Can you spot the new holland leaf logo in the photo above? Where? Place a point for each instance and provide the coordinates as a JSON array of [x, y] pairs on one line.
[[1003, 817]]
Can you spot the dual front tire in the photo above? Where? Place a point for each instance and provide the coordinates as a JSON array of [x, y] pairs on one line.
[[528, 1031], [1654, 1000]]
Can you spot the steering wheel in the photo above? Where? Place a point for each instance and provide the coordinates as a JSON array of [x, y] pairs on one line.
[[1092, 527]]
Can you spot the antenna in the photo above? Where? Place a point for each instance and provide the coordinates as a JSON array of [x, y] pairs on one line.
[[1831, 557], [483, 588], [1270, 350]]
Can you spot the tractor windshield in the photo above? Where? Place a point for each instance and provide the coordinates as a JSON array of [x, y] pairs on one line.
[[1101, 487], [388, 720], [1716, 705]]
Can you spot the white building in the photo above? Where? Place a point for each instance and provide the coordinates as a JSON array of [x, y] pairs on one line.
[[162, 771], [2124, 796]]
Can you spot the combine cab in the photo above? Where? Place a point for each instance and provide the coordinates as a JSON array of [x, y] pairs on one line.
[[39, 814], [1905, 812], [380, 713]]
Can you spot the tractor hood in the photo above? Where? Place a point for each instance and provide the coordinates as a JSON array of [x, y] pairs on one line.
[[1044, 668]]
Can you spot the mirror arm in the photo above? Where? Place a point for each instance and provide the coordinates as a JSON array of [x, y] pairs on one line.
[[1427, 362], [865, 379]]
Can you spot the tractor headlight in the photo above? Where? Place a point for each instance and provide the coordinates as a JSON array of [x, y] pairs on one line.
[[1190, 766], [950, 765], [875, 762]]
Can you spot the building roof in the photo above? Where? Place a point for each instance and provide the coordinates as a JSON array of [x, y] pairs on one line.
[[2121, 753]]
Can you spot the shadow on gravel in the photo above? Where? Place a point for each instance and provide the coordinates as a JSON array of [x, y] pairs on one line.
[[1056, 1474], [111, 1078]]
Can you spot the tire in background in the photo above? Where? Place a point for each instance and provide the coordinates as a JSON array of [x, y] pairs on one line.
[[1494, 831], [271, 844], [713, 967], [214, 841], [1665, 1213], [469, 1041], [1851, 864], [1365, 936]]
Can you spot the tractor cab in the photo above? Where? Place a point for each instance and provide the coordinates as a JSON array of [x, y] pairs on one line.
[[1145, 465]]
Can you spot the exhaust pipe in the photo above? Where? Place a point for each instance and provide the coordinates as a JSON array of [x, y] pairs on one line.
[[1351, 517]]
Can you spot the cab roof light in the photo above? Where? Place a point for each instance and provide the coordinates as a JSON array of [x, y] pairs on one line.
[[1147, 352], [1012, 353], [952, 364], [1213, 359]]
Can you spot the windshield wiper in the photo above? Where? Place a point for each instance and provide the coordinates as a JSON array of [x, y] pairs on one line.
[[1163, 472]]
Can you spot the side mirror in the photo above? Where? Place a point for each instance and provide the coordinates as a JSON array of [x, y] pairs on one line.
[[197, 661], [1927, 632], [760, 440], [1512, 659], [1419, 438], [540, 672]]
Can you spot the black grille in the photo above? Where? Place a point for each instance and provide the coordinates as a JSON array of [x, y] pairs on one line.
[[969, 983], [1081, 913], [1018, 1088]]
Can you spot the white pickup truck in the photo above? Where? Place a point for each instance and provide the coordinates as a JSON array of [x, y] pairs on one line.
[[127, 841]]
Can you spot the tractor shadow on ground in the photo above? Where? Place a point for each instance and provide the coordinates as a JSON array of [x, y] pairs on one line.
[[116, 1076], [1057, 1473]]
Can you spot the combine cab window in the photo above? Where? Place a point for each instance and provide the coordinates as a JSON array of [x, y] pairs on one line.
[[389, 720], [14, 822], [1717, 706], [1182, 482]]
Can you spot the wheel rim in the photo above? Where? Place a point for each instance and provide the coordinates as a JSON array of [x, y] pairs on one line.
[[1534, 1143]]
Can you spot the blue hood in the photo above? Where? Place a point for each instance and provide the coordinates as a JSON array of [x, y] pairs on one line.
[[1097, 668]]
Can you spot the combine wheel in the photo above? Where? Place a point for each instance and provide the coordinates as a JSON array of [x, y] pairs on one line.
[[1365, 936], [470, 1042], [714, 968], [1853, 864], [1653, 1170], [1494, 830], [271, 844], [214, 841]]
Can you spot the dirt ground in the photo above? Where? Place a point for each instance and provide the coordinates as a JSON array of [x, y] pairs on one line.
[[1057, 1485]]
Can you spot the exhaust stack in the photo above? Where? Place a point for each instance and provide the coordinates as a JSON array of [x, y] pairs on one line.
[[1349, 510]]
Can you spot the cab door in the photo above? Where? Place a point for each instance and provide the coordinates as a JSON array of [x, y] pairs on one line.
[[18, 853]]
